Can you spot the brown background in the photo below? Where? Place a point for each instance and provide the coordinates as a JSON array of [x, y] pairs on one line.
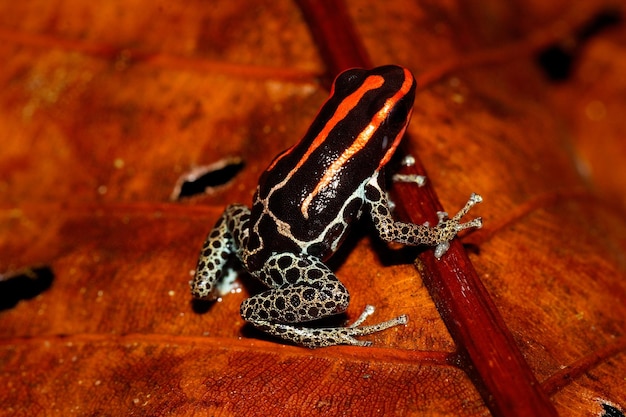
[[105, 106]]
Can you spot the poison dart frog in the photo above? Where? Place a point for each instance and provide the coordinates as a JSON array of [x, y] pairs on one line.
[[307, 200]]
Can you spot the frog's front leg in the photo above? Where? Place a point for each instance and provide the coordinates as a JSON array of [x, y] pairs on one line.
[[304, 289], [415, 234], [227, 237]]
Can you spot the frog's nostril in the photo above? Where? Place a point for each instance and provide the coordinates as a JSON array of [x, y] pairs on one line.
[[203, 178]]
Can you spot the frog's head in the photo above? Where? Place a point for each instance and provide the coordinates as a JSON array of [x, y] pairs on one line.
[[375, 106], [354, 135]]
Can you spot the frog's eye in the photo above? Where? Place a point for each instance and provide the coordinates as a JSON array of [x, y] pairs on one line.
[[398, 115], [349, 80]]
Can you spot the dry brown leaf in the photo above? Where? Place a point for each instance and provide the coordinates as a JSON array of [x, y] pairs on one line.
[[105, 107]]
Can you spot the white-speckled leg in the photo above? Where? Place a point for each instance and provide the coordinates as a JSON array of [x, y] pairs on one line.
[[416, 234], [328, 336], [420, 180], [228, 234], [303, 289]]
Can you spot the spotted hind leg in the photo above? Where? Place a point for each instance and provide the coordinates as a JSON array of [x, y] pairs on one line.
[[226, 238], [304, 289]]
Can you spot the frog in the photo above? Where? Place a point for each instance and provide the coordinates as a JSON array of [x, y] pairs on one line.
[[307, 201]]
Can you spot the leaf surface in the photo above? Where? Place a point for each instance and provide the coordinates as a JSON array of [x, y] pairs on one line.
[[105, 108]]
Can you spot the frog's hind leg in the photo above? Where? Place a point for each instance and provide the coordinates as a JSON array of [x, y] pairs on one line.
[[304, 289], [229, 233]]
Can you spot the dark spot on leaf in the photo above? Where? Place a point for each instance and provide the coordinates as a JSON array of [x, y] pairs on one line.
[[201, 306], [558, 60]]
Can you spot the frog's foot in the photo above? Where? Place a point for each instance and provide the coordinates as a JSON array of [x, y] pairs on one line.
[[453, 226], [331, 336], [409, 161], [420, 180]]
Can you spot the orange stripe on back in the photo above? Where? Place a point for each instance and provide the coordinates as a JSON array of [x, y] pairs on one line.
[[361, 141], [406, 87], [370, 83]]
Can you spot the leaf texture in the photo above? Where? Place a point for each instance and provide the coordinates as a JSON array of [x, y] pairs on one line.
[[105, 108]]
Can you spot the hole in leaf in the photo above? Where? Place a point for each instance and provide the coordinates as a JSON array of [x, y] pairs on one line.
[[601, 21], [24, 285], [610, 410], [203, 179], [557, 60]]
